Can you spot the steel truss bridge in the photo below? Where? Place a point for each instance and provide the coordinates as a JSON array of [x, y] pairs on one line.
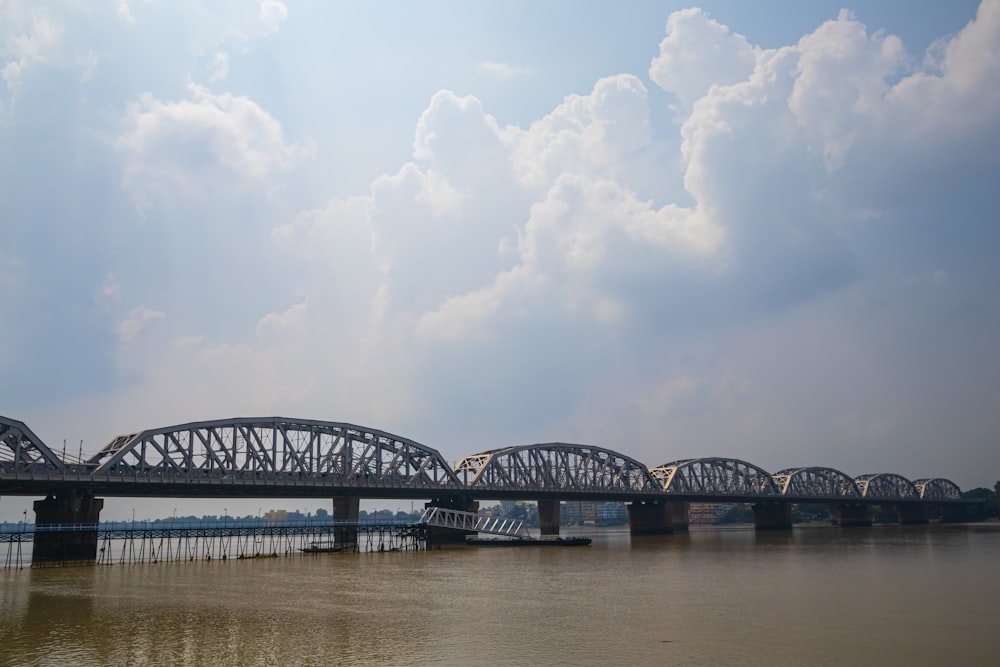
[[297, 458]]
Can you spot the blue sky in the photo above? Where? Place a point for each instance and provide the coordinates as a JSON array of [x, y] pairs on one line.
[[758, 230]]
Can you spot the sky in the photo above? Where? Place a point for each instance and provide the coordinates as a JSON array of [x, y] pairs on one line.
[[765, 231]]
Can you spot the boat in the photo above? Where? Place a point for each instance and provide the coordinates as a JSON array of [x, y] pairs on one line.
[[528, 542], [323, 547]]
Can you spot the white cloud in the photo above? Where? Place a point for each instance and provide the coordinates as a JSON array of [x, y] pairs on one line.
[[502, 71], [110, 291], [206, 145], [595, 134], [698, 53], [139, 319], [28, 37], [272, 14], [219, 67]]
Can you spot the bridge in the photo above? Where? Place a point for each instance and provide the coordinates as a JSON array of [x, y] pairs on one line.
[[276, 457]]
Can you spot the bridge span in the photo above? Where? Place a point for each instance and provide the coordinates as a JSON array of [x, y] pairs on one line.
[[277, 457]]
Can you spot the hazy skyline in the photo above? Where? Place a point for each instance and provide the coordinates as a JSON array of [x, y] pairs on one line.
[[766, 231]]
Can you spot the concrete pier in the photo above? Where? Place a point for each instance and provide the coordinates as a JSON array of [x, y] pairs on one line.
[[912, 513], [346, 508], [651, 517], [548, 517], [680, 513], [73, 538], [772, 515], [850, 515]]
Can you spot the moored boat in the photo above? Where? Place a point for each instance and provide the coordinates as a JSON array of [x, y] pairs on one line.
[[323, 547]]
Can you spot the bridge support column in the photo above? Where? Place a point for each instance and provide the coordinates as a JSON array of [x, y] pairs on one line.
[[73, 540], [439, 535], [346, 508], [850, 515], [912, 513], [680, 514], [772, 515], [548, 517], [650, 517], [957, 513]]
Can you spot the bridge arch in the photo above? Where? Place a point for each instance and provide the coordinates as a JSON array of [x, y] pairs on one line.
[[277, 448], [886, 485], [554, 466], [816, 482], [23, 451], [937, 488], [715, 476]]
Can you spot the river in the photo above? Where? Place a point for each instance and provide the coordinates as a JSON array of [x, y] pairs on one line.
[[887, 595]]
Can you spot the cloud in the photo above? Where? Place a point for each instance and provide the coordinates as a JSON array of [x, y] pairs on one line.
[[139, 319], [30, 37], [502, 71], [698, 53], [219, 67], [272, 14], [200, 146]]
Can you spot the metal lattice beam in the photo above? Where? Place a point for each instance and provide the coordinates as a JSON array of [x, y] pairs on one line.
[[937, 489], [554, 467], [886, 486], [22, 450], [815, 482], [339, 453], [714, 477], [473, 522]]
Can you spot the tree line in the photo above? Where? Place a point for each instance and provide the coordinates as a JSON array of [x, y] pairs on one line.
[[990, 499]]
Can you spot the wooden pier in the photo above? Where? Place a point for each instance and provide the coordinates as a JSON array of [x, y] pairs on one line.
[[127, 542]]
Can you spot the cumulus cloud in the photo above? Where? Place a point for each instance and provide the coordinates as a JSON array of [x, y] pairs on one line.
[[139, 319], [196, 146], [505, 269], [698, 53]]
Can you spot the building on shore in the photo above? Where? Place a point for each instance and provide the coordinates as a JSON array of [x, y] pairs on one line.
[[707, 514]]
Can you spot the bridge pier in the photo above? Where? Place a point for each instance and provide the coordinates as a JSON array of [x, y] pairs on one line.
[[439, 535], [75, 542], [772, 515], [680, 515], [912, 513], [650, 517], [956, 513], [849, 515], [548, 517], [346, 508]]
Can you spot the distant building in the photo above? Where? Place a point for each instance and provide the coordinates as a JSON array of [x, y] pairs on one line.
[[707, 514], [586, 512]]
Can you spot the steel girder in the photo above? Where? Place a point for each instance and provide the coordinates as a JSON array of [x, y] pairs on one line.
[[21, 450], [937, 489], [714, 477], [277, 448], [886, 485], [443, 517], [554, 466], [815, 482]]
